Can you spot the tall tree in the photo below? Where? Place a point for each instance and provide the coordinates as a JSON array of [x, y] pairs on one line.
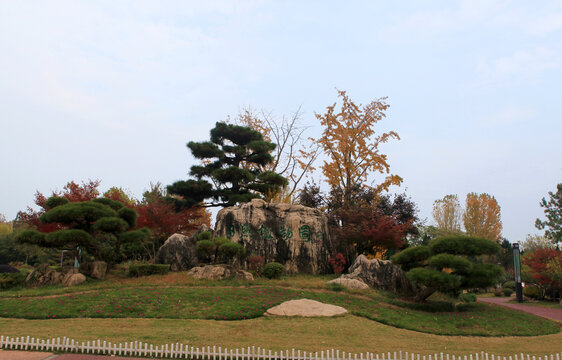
[[535, 242], [352, 146], [553, 212], [232, 162], [482, 217], [447, 213]]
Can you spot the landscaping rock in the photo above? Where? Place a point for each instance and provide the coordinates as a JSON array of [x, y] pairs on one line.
[[350, 283], [293, 235], [8, 269], [94, 269], [219, 272], [43, 275], [179, 252], [72, 278], [305, 308], [381, 274]]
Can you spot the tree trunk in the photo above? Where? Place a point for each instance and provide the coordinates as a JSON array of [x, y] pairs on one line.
[[424, 294]]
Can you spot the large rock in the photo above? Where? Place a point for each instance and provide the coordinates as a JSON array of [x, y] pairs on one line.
[[72, 277], [94, 269], [305, 308], [293, 235], [45, 275], [350, 283], [381, 274], [179, 252], [219, 272]]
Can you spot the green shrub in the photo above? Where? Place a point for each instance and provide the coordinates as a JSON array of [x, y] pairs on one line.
[[507, 291], [273, 270], [11, 280], [335, 287], [467, 297], [231, 250], [205, 248], [509, 285], [205, 235], [533, 292], [148, 269]]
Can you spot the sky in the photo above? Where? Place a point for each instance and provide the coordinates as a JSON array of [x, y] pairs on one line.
[[113, 90]]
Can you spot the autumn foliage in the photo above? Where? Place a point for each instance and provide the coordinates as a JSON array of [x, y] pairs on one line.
[[482, 217], [447, 213], [352, 146], [546, 267]]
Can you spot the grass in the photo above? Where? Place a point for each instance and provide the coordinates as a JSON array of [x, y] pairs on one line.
[[154, 297]]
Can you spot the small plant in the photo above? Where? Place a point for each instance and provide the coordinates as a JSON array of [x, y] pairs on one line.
[[231, 250], [498, 292], [507, 291], [509, 285], [273, 270], [205, 249], [533, 292], [337, 261], [12, 280], [148, 269], [467, 297], [256, 264], [335, 287]]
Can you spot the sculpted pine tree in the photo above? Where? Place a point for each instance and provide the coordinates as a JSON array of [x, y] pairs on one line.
[[482, 217], [447, 213], [99, 226], [449, 264], [352, 146], [232, 163]]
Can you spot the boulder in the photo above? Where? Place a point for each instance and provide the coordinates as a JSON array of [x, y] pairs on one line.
[[179, 252], [381, 274], [305, 308], [45, 275], [350, 283], [219, 272], [94, 269], [72, 277], [293, 235], [4, 268]]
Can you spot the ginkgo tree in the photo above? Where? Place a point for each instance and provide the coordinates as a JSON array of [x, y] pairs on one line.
[[447, 213], [352, 146], [482, 216]]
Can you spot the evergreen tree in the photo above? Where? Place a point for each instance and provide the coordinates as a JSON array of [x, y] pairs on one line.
[[553, 212], [233, 161], [99, 226], [450, 264]]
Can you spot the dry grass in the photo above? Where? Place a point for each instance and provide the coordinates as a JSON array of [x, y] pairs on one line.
[[347, 333]]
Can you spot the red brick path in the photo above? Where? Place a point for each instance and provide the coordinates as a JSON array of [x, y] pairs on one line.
[[549, 313]]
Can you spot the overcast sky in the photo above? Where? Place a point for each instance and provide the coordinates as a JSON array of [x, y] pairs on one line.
[[113, 90]]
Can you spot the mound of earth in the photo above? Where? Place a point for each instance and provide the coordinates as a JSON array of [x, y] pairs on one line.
[[305, 308]]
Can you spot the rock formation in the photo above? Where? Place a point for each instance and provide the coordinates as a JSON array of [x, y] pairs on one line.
[[305, 308], [350, 283], [219, 272], [45, 275], [179, 252], [293, 235], [94, 269], [380, 274]]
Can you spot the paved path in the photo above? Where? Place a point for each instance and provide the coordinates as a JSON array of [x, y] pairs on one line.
[[549, 313]]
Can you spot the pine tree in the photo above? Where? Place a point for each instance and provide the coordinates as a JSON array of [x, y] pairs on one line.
[[232, 161]]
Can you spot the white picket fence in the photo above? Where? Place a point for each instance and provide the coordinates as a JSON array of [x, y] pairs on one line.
[[181, 351]]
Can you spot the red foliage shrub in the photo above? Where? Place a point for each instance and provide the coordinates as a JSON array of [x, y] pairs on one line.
[[256, 264], [338, 263]]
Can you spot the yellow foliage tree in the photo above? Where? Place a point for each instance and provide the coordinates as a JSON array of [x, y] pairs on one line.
[[482, 217], [5, 226], [447, 213], [352, 146]]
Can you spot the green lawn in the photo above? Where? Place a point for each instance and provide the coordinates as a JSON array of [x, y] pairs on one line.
[[228, 300]]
